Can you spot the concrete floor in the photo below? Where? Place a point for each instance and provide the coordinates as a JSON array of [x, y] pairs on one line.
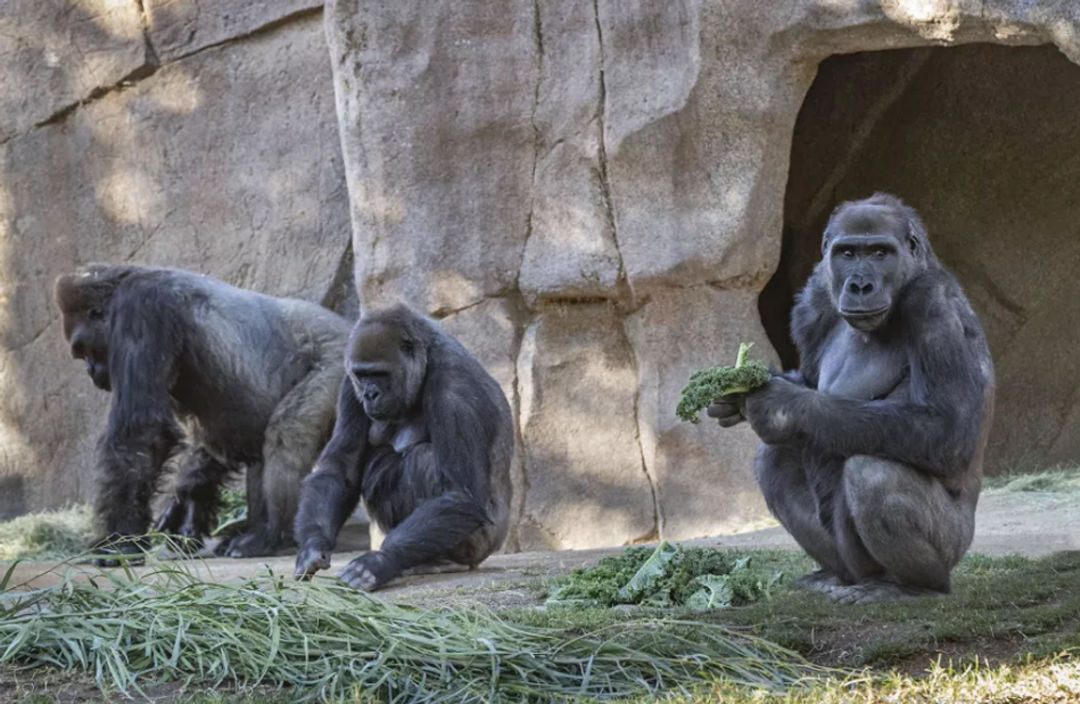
[[1035, 523]]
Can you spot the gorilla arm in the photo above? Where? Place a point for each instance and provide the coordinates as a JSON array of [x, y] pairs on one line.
[[330, 493], [142, 430], [936, 429]]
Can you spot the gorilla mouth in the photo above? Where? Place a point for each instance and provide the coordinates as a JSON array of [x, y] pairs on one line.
[[865, 320], [857, 314]]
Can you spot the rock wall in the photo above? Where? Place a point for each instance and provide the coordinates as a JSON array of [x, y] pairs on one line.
[[591, 193], [163, 137], [588, 192]]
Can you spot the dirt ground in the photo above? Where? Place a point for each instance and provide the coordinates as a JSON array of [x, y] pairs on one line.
[[1028, 523]]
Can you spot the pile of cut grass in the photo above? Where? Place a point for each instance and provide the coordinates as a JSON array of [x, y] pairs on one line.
[[50, 535], [327, 641], [1063, 478], [69, 532]]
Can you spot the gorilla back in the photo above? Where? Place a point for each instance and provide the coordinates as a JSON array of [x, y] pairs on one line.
[[425, 436], [232, 377], [873, 448]]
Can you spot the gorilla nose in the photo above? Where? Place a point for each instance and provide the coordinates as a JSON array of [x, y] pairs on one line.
[[860, 289]]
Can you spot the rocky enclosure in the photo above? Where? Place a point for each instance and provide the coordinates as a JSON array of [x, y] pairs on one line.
[[590, 193]]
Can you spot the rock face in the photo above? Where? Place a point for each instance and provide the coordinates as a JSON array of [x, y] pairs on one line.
[[612, 175], [227, 162], [591, 194]]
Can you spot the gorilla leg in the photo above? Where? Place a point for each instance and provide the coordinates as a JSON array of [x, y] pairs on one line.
[[907, 522], [194, 508], [782, 478], [425, 518], [294, 436]]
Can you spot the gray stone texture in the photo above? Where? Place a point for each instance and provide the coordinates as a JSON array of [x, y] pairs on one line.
[[587, 484], [54, 53], [591, 194]]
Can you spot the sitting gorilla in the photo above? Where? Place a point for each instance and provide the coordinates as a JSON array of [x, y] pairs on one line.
[[872, 454], [425, 436], [252, 377]]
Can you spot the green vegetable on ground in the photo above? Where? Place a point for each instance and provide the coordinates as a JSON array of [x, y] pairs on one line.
[[669, 575], [709, 385]]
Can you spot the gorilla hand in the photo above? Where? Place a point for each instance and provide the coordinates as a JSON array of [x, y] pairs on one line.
[[369, 571], [311, 558], [172, 519], [772, 410], [728, 410]]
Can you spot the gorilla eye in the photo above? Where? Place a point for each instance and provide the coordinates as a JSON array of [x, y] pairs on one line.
[[408, 347], [96, 314], [847, 252], [879, 253]]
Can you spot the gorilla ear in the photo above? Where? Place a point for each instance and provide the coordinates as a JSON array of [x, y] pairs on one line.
[[67, 292], [917, 239]]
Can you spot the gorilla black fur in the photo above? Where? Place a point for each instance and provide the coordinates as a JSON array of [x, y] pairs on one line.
[[872, 455], [425, 436], [230, 377]]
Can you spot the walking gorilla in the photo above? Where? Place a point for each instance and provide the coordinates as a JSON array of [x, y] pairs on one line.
[[251, 376], [872, 454], [425, 436]]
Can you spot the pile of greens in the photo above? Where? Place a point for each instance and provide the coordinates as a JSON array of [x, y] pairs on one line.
[[323, 640], [709, 385], [53, 535], [232, 511], [67, 533], [668, 575]]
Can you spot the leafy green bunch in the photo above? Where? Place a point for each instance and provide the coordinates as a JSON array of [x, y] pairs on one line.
[[709, 385]]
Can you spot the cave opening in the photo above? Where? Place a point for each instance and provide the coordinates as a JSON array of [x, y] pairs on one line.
[[984, 142]]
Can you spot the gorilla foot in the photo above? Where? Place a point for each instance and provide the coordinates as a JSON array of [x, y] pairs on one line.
[[820, 581], [370, 571], [253, 543], [876, 591], [115, 550]]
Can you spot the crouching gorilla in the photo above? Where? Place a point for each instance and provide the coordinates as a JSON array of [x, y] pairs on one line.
[[425, 436], [252, 377], [872, 454]]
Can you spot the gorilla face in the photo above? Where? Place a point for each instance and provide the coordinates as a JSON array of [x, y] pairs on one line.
[[386, 368], [865, 272], [86, 330], [870, 259]]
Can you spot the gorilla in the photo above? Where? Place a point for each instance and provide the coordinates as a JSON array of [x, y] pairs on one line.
[[872, 450], [425, 436], [229, 378]]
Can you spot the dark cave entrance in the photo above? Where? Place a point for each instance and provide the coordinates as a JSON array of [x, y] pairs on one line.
[[984, 141]]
